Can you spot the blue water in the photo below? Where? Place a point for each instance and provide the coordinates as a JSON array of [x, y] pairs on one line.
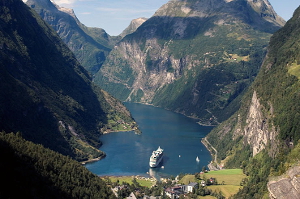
[[179, 136]]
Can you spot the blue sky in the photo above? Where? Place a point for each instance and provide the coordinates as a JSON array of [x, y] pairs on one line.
[[115, 15]]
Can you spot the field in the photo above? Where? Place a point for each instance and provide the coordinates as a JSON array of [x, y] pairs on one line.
[[228, 180], [145, 182], [229, 176], [227, 190]]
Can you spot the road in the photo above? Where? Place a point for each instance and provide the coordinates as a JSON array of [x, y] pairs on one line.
[[209, 146]]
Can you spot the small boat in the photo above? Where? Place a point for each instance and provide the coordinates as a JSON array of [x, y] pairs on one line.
[[197, 159], [179, 156]]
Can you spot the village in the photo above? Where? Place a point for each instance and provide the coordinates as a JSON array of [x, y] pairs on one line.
[[139, 187]]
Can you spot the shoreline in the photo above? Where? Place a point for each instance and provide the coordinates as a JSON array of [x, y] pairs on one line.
[[92, 160], [210, 166], [199, 122], [135, 130]]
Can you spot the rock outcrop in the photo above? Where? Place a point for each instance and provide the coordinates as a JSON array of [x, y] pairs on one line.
[[134, 24], [287, 185], [192, 57], [90, 45], [257, 131], [267, 123]]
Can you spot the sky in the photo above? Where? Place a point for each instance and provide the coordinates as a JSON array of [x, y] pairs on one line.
[[115, 15]]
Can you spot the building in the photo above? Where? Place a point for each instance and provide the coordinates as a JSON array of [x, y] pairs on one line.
[[203, 183], [131, 196], [191, 186], [174, 192]]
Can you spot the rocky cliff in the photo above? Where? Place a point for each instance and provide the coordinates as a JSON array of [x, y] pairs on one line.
[[286, 186], [258, 130], [134, 24], [90, 45], [192, 57], [263, 136], [45, 94]]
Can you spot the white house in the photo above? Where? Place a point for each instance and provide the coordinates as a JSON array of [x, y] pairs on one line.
[[191, 186], [131, 196]]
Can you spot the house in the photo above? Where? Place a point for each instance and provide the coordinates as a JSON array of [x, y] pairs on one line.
[[189, 188], [203, 183], [212, 180], [131, 196], [174, 192]]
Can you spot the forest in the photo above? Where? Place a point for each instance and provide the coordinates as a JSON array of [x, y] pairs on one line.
[[29, 170]]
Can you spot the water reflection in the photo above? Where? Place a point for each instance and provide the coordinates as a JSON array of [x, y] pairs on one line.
[[179, 136]]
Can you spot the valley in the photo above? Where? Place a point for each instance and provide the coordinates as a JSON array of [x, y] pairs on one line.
[[71, 93]]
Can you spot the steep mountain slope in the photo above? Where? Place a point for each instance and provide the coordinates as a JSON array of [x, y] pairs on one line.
[[45, 93], [263, 136], [192, 57], [90, 45], [29, 170], [134, 24]]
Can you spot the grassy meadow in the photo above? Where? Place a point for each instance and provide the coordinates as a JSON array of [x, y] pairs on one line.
[[145, 182], [228, 181], [229, 176]]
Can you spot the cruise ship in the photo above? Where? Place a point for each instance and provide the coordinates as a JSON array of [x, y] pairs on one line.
[[156, 157]]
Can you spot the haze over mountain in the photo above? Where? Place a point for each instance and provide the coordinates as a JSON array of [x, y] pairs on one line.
[[192, 57], [263, 136], [90, 45], [45, 94]]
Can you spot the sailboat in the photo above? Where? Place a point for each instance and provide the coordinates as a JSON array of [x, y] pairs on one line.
[[197, 159]]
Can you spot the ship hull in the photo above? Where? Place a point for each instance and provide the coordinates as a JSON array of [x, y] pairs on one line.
[[155, 164], [156, 157]]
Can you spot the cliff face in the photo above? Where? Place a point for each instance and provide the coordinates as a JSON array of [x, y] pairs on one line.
[[45, 94], [287, 186], [192, 57], [253, 124], [90, 45], [258, 132], [263, 136], [134, 24]]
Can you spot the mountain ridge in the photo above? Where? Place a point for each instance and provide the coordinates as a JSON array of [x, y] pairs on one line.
[[89, 48], [172, 59], [262, 137], [134, 24], [46, 95]]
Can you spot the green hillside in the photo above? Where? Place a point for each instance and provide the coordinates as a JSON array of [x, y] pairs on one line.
[[277, 90], [89, 45], [45, 94], [192, 57], [29, 170]]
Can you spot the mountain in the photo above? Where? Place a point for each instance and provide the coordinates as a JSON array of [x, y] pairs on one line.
[[134, 24], [192, 57], [29, 170], [90, 45], [45, 94], [263, 136]]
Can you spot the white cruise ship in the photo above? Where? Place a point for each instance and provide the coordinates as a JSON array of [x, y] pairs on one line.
[[156, 157]]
